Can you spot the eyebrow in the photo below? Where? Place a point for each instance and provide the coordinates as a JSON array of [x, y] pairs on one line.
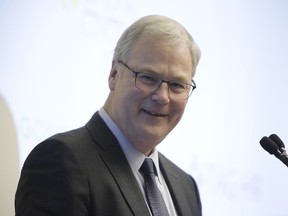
[[146, 69], [176, 78]]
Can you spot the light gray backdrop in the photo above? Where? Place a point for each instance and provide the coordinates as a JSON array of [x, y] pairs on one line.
[[55, 57]]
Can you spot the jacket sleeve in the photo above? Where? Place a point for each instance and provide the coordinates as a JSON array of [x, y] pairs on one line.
[[52, 183]]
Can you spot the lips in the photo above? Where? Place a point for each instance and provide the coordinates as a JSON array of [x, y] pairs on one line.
[[154, 113]]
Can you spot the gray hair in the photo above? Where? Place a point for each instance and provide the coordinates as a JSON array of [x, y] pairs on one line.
[[160, 27]]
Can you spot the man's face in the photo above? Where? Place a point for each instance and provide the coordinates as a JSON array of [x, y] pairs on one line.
[[146, 118]]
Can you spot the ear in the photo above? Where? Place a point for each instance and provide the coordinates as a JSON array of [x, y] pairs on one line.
[[113, 75]]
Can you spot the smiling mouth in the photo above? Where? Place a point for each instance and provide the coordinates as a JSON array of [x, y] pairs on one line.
[[154, 114]]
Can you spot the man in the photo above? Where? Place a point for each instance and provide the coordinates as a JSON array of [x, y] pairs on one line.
[[97, 169]]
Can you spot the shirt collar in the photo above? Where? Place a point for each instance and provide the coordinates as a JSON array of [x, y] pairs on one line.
[[133, 155]]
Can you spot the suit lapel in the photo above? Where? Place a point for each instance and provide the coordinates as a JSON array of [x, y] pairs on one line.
[[183, 205], [174, 184], [117, 164]]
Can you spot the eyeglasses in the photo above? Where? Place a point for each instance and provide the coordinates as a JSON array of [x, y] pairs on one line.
[[150, 83]]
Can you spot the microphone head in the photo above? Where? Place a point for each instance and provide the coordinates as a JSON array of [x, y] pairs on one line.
[[270, 146], [277, 140]]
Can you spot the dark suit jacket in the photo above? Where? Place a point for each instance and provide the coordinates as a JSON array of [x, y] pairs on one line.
[[85, 172]]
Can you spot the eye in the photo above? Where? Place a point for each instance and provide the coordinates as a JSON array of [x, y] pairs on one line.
[[147, 79], [175, 86]]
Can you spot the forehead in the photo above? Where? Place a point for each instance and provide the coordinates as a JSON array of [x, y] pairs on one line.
[[150, 54]]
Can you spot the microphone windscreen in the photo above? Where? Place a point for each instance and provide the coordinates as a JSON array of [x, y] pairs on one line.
[[277, 140], [269, 145]]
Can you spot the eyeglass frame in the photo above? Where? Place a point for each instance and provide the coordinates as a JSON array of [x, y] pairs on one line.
[[193, 85]]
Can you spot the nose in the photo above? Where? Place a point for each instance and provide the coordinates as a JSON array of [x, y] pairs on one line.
[[161, 94]]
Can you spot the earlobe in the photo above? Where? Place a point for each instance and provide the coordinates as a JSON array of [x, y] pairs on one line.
[[113, 76]]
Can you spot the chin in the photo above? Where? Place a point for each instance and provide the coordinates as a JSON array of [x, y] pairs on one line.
[[155, 136]]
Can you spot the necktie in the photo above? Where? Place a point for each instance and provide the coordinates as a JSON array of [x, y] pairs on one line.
[[153, 195]]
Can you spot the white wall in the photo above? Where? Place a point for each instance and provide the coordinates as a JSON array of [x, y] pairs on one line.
[[55, 57]]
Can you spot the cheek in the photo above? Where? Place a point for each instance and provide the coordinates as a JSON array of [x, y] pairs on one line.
[[127, 95], [178, 110]]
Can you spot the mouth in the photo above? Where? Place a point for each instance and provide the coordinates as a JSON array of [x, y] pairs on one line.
[[154, 113]]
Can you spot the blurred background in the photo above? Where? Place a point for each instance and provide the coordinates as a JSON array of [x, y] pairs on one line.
[[55, 58]]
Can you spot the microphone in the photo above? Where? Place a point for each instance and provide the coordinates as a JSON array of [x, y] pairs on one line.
[[278, 141], [270, 146], [274, 145]]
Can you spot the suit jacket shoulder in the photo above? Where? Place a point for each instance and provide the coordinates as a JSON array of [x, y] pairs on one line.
[[80, 172]]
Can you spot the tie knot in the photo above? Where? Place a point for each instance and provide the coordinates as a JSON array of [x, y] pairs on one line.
[[148, 167]]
